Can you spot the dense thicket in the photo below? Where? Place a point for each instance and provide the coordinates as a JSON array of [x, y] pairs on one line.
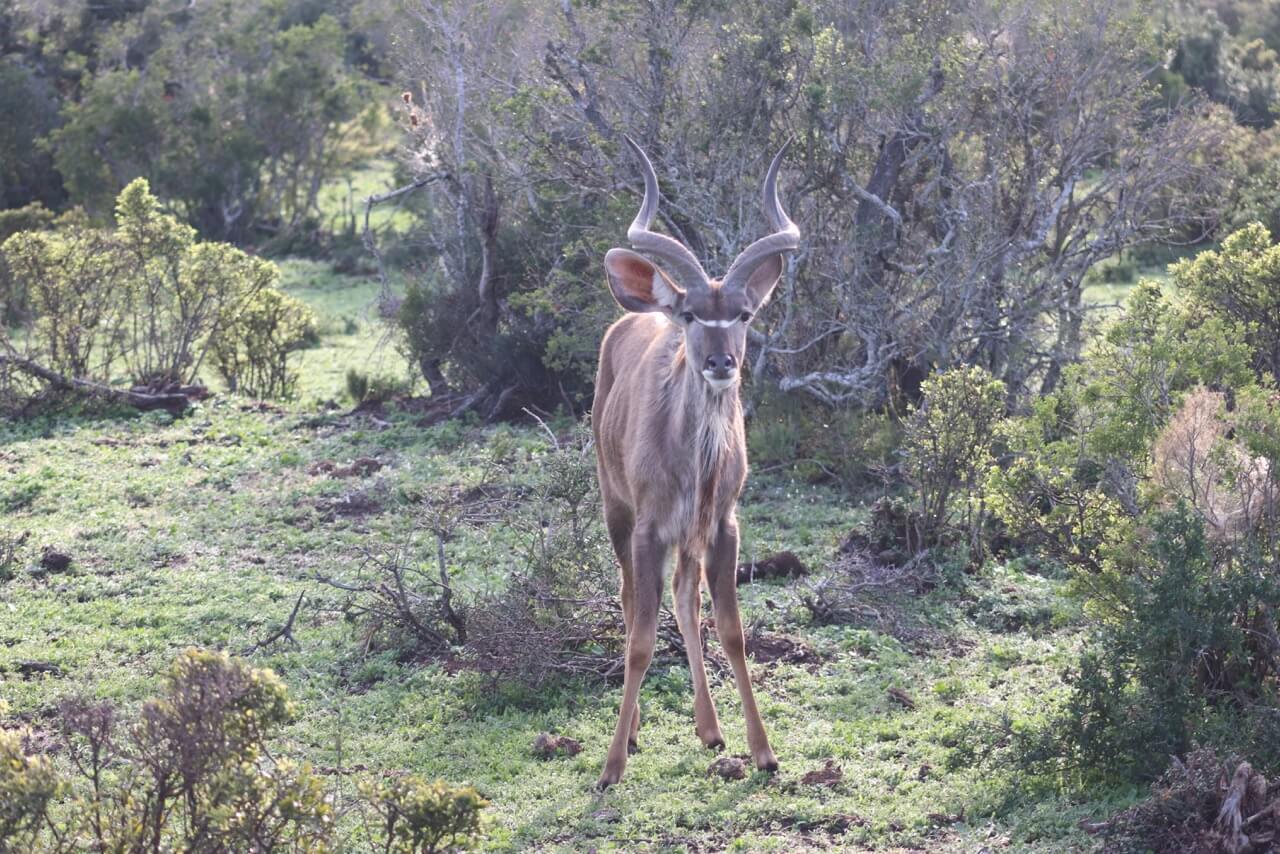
[[236, 113], [958, 170]]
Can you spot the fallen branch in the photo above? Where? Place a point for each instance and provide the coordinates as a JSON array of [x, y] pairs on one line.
[[175, 402], [285, 631]]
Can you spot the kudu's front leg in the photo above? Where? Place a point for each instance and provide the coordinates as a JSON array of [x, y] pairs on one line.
[[686, 594], [648, 555], [722, 578]]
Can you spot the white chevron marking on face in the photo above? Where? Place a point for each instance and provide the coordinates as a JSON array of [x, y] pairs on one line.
[[723, 324]]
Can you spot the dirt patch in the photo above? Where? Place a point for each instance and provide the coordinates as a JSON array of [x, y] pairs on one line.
[[359, 467], [836, 825], [30, 669], [781, 565], [770, 647], [828, 775], [355, 504], [548, 746], [901, 697]]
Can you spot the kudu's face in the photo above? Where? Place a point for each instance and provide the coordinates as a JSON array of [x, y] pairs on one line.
[[713, 315], [715, 333]]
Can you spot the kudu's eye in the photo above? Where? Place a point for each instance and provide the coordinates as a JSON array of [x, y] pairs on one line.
[[745, 317], [686, 316]]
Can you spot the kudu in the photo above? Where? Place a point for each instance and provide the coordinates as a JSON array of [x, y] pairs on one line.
[[672, 452]]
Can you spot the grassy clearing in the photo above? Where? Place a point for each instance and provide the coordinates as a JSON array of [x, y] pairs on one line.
[[351, 335], [205, 530], [342, 201]]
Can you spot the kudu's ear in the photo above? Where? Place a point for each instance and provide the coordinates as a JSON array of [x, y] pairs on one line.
[[638, 284], [763, 279]]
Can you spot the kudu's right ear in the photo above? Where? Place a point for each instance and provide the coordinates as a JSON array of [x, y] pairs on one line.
[[638, 284]]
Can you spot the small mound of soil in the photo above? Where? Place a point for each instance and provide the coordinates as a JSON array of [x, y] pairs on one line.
[[729, 768], [350, 505], [780, 565], [768, 647], [52, 560], [828, 775], [548, 746]]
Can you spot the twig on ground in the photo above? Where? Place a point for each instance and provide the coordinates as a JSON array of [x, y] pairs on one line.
[[285, 631]]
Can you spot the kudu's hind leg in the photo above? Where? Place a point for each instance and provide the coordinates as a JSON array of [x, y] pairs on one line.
[[648, 555], [722, 561], [619, 522], [686, 595]]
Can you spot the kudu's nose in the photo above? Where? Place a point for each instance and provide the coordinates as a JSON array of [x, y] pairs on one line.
[[721, 365]]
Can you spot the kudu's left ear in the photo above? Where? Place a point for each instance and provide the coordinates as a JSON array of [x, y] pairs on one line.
[[763, 280], [638, 284]]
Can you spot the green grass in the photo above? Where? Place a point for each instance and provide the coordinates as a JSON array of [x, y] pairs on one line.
[[351, 334], [1109, 296], [342, 201], [203, 531]]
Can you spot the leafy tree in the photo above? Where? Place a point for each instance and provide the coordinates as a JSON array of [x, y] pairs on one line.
[[30, 107], [237, 112]]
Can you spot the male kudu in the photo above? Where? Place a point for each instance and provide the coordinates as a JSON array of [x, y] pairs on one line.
[[672, 452]]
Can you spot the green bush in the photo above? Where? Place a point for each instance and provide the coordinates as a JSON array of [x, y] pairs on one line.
[[363, 388], [1153, 473], [416, 817], [854, 449], [147, 302], [196, 772], [251, 351], [1174, 665], [28, 786], [1240, 283], [947, 448]]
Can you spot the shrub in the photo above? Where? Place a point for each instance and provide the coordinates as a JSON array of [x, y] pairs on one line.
[[854, 450], [146, 300], [195, 772], [251, 351], [1152, 473], [28, 785], [1188, 644], [947, 448], [1195, 461], [182, 293], [373, 390], [416, 817], [557, 614], [1240, 282], [74, 283]]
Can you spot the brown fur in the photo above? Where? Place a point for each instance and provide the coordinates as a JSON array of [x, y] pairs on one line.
[[672, 460], [671, 451]]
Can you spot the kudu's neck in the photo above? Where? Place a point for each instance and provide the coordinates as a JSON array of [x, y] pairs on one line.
[[703, 418]]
